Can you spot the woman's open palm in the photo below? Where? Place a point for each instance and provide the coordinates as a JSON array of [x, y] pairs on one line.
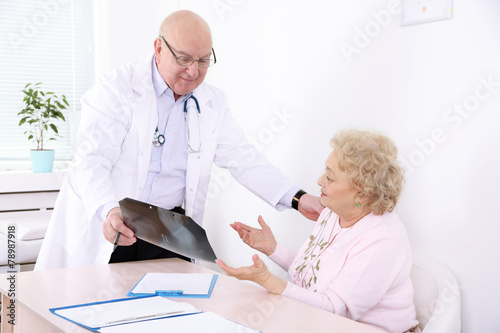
[[259, 239]]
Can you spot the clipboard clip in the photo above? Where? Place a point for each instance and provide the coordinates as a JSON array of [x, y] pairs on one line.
[[168, 292]]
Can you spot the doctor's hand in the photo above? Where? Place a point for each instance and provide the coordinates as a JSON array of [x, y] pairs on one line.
[[258, 273], [310, 206], [113, 224], [259, 239]]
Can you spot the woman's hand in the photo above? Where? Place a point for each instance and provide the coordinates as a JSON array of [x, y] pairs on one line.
[[259, 239], [258, 273]]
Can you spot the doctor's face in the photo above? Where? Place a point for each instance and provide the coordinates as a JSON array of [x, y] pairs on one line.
[[182, 79]]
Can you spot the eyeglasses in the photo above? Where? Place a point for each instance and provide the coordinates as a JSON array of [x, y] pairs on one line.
[[187, 61]]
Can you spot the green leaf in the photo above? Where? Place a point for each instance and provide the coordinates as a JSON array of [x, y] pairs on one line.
[[54, 128], [22, 121], [58, 114]]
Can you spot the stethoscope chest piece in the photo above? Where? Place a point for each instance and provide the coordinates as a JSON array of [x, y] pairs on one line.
[[158, 139]]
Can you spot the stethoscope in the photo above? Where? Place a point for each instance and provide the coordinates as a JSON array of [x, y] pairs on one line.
[[159, 139]]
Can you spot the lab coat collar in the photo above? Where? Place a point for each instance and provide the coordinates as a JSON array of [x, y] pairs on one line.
[[141, 81], [203, 93]]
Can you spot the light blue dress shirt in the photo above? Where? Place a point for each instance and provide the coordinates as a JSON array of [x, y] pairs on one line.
[[166, 181]]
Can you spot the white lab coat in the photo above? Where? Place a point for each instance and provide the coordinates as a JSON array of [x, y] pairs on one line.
[[119, 117]]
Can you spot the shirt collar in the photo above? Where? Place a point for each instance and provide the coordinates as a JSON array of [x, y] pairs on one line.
[[158, 83]]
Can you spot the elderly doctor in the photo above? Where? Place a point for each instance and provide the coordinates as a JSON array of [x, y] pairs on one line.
[[134, 141]]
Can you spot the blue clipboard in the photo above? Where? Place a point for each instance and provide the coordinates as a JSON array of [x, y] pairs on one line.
[[85, 315], [173, 290]]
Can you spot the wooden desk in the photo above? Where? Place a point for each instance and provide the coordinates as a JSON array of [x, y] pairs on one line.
[[236, 300]]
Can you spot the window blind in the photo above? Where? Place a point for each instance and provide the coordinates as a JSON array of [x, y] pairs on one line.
[[48, 41]]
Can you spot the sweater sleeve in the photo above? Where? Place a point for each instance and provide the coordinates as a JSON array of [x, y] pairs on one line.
[[283, 256]]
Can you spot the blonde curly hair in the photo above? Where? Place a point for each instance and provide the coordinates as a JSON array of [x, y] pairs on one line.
[[371, 162]]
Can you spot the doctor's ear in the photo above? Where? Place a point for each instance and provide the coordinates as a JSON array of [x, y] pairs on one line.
[[158, 48]]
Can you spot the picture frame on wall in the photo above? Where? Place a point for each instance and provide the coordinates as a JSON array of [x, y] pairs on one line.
[[424, 11]]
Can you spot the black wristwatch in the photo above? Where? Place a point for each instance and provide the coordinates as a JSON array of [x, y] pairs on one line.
[[296, 199]]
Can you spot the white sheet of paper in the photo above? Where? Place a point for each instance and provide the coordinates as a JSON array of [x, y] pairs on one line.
[[135, 309], [206, 322], [192, 283]]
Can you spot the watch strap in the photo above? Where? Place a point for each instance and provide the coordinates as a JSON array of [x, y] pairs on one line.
[[296, 199]]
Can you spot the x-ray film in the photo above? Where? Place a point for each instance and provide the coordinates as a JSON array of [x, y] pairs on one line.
[[169, 230]]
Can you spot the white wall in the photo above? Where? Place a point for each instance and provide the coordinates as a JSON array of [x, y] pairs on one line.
[[291, 87]]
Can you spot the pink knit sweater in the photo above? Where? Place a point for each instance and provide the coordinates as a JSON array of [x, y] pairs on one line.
[[363, 274]]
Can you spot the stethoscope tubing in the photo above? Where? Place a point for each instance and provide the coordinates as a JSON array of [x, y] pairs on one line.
[[159, 139], [191, 150]]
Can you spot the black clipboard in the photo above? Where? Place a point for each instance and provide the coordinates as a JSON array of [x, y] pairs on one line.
[[169, 230]]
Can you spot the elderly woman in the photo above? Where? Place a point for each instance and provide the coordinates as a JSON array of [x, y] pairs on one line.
[[357, 261]]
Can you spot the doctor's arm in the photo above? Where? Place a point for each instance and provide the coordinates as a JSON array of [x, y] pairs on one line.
[[252, 169], [103, 128]]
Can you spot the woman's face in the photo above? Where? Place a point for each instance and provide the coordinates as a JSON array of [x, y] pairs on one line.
[[337, 191]]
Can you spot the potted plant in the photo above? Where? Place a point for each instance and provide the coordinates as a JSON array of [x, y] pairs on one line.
[[40, 111]]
